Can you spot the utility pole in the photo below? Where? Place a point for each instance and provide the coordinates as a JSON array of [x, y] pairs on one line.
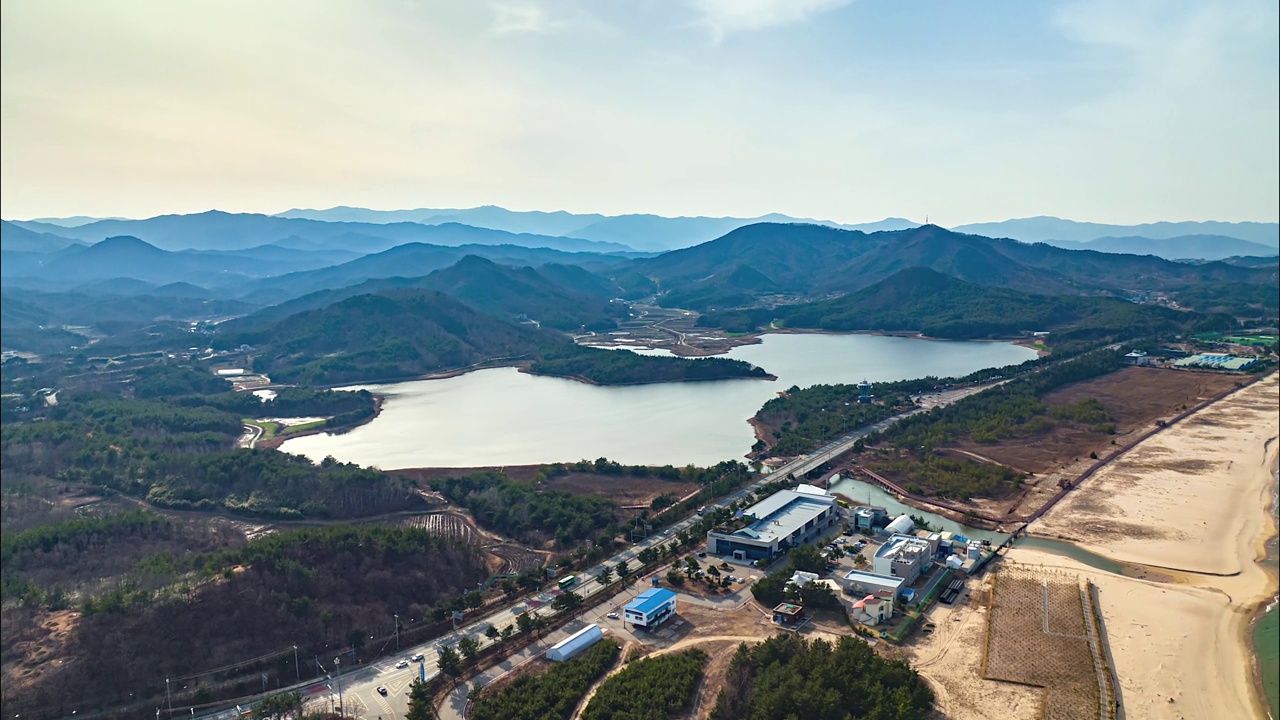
[[397, 617], [168, 696], [338, 662], [296, 669]]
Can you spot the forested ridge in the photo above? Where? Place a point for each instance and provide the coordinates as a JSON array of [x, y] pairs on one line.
[[319, 588], [936, 305], [408, 333], [801, 419], [177, 451]]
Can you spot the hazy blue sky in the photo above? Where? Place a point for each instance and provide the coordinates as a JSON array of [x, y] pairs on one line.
[[1113, 111]]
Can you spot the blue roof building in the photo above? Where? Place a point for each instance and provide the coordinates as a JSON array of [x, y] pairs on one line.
[[650, 608]]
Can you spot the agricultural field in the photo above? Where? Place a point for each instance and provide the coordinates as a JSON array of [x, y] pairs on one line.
[[1038, 635]]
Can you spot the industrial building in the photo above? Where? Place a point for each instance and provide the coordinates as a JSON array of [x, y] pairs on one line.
[[1217, 361], [650, 608], [784, 519], [858, 582], [575, 643], [904, 556]]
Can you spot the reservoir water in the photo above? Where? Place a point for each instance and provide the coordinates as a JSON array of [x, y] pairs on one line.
[[504, 417]]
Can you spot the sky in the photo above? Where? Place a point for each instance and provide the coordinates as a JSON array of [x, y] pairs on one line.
[[1121, 112]]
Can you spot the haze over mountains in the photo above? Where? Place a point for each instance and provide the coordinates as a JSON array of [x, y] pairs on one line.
[[365, 230], [266, 269]]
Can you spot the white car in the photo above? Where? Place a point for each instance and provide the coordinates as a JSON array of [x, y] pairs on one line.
[[418, 658], [402, 664], [612, 616]]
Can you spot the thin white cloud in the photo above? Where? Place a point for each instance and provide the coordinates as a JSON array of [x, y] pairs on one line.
[[723, 17], [525, 16]]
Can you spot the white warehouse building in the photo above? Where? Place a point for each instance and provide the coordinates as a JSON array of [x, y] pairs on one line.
[[575, 643], [784, 519]]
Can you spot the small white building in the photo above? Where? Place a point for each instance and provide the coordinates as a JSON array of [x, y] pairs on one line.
[[901, 525], [802, 578], [858, 582], [808, 489], [650, 608], [575, 643], [1138, 357], [873, 609]]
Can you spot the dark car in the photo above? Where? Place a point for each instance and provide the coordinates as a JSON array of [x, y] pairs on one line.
[[382, 689]]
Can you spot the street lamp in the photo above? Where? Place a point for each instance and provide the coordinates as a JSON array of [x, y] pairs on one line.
[[397, 617], [338, 664]]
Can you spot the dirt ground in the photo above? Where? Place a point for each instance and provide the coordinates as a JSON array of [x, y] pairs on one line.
[[626, 490], [949, 657], [1134, 398]]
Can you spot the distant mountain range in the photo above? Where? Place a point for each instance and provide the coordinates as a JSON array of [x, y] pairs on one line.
[[653, 233], [1047, 229], [1199, 247], [363, 230], [756, 262], [216, 230]]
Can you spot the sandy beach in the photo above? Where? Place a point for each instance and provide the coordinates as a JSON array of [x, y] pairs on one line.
[[1193, 501]]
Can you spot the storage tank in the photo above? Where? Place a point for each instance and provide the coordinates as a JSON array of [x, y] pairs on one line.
[[901, 524], [575, 643], [975, 550]]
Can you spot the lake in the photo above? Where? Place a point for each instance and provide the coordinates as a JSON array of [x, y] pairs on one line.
[[501, 416]]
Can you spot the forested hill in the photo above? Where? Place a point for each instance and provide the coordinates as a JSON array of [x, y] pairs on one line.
[[396, 334], [570, 300], [757, 261], [508, 292], [923, 300], [411, 332]]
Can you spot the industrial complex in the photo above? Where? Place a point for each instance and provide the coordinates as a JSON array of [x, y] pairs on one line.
[[781, 521]]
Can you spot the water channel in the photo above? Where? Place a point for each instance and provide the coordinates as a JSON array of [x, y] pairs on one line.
[[503, 417]]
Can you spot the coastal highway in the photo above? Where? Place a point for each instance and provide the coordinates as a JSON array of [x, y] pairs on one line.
[[359, 685]]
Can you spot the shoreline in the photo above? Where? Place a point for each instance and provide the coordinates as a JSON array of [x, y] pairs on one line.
[[728, 342], [1175, 503], [1266, 559]]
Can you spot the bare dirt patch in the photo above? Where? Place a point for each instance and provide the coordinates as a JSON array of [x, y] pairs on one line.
[[625, 490], [1135, 398], [947, 652]]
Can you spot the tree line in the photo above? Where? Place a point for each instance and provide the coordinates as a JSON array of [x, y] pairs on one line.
[[551, 694], [788, 677], [649, 689]]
